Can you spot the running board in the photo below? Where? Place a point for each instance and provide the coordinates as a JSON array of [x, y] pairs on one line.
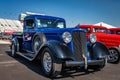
[[28, 56]]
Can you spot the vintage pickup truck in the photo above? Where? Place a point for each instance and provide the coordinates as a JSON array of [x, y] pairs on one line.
[[47, 39], [112, 41]]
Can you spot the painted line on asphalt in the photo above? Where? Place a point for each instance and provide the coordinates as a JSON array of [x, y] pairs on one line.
[[8, 62]]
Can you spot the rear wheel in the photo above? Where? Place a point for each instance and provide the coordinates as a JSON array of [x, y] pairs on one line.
[[36, 44], [114, 55], [50, 68], [13, 50]]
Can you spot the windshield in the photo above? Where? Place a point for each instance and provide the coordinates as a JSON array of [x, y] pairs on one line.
[[86, 29], [50, 23], [100, 30]]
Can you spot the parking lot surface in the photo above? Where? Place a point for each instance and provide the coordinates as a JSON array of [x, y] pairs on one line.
[[21, 69]]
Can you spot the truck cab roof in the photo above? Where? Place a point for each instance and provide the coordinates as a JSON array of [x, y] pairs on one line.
[[43, 16]]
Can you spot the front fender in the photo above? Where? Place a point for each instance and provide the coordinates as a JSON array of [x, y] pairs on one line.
[[60, 50], [97, 50]]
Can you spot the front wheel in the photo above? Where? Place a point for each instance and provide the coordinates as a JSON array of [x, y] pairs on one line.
[[50, 68], [114, 55]]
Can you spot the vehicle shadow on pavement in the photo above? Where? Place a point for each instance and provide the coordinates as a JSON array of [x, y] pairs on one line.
[[73, 72], [67, 72], [34, 66]]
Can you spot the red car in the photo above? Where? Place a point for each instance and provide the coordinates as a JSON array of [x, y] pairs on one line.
[[112, 41]]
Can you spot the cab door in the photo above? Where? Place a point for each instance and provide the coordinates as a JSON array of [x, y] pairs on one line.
[[29, 31]]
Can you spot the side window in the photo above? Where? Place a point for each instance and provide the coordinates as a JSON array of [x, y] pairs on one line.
[[60, 25], [29, 23], [118, 32], [110, 31]]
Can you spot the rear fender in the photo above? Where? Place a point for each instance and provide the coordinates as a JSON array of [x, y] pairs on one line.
[[41, 35], [16, 43]]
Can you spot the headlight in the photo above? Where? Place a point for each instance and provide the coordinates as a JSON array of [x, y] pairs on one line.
[[66, 36], [92, 38]]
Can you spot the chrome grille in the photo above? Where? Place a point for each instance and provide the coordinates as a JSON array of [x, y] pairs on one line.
[[79, 44]]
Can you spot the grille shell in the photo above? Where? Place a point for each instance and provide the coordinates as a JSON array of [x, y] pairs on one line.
[[79, 44]]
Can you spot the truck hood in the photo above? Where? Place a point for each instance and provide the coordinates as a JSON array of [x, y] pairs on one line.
[[59, 30]]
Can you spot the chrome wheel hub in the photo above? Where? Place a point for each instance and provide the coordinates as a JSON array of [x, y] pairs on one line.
[[47, 62], [114, 55]]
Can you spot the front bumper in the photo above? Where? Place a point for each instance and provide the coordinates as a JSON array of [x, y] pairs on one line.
[[82, 63]]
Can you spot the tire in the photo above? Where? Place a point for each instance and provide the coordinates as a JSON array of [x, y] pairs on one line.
[[13, 50], [36, 44], [115, 55], [50, 68]]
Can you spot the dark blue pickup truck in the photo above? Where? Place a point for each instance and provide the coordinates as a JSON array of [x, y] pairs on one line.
[[47, 39]]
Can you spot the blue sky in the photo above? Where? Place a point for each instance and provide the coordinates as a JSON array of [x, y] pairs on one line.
[[74, 11]]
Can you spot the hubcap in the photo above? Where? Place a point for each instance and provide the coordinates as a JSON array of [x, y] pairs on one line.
[[47, 62], [114, 55], [13, 49]]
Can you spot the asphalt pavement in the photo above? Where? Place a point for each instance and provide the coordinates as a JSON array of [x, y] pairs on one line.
[[21, 69]]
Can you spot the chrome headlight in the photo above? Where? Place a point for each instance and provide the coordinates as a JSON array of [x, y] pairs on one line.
[[92, 38], [66, 36]]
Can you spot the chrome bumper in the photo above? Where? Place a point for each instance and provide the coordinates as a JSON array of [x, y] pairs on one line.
[[82, 63]]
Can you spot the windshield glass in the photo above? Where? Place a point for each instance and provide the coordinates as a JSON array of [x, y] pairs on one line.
[[100, 30], [86, 29], [50, 23]]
